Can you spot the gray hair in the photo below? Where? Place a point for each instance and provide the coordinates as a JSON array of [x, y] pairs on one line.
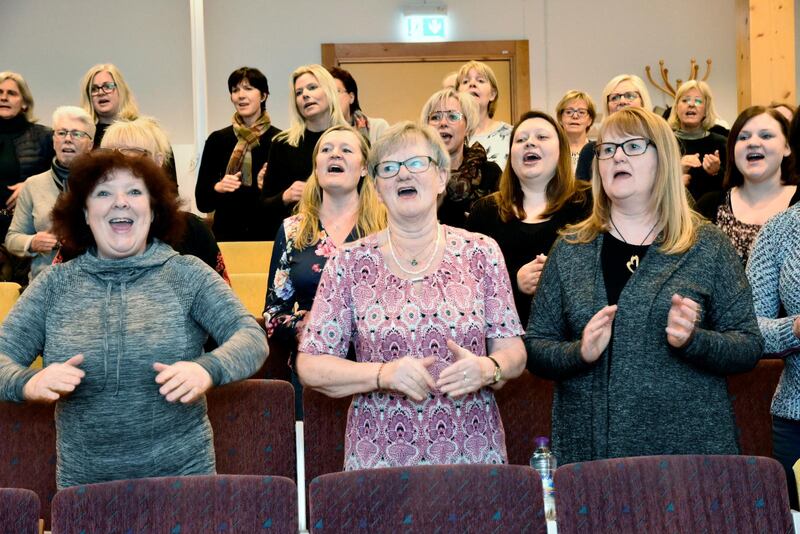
[[405, 133], [76, 113]]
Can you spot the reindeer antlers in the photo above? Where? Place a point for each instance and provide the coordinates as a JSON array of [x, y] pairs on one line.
[[667, 88]]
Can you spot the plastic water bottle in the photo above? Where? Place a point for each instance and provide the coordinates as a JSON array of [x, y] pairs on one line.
[[545, 463]]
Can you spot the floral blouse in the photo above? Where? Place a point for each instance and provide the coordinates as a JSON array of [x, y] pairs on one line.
[[294, 276]]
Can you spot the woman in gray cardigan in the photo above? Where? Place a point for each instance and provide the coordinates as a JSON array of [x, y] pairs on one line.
[[121, 329], [641, 311]]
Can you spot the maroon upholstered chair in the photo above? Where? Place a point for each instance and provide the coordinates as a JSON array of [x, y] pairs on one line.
[[28, 450], [216, 503], [667, 494], [19, 511], [751, 394], [324, 424], [526, 405], [253, 424], [431, 498]]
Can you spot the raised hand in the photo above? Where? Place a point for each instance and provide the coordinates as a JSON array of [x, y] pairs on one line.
[[597, 334], [229, 183], [293, 193], [682, 319], [529, 274], [711, 163], [54, 381]]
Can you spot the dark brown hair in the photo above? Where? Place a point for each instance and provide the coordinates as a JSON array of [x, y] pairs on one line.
[[69, 218]]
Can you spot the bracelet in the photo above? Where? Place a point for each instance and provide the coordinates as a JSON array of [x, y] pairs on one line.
[[378, 376]]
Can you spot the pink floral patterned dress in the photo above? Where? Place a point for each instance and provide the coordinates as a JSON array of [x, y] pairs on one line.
[[467, 299]]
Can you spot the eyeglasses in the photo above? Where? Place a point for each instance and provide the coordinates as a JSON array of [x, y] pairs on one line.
[[416, 165], [130, 151], [632, 147], [450, 115], [103, 88], [697, 101], [75, 134], [575, 112], [628, 96]]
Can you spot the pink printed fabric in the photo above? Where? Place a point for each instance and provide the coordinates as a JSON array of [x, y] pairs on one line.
[[467, 299]]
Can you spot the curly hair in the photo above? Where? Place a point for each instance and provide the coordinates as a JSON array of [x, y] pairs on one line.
[[89, 170]]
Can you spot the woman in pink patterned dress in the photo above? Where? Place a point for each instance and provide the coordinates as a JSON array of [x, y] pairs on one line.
[[430, 312]]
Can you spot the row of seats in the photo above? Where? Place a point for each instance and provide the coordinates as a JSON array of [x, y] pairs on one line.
[[628, 495]]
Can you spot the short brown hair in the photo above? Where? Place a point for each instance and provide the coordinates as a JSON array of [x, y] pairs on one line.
[[69, 219]]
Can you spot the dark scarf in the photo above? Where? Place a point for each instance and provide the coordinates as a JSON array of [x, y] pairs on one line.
[[247, 138], [60, 175], [464, 183]]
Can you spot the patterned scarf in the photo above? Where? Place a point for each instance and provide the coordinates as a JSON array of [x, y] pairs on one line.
[[247, 138], [464, 183]]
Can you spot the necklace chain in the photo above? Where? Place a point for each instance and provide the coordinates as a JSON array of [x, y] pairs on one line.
[[633, 263], [430, 261]]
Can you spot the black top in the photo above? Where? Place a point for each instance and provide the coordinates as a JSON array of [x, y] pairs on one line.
[[521, 242], [619, 261], [454, 212], [287, 164], [583, 171], [237, 215], [99, 133], [702, 182]]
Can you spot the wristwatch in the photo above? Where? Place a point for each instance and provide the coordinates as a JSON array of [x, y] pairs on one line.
[[498, 373]]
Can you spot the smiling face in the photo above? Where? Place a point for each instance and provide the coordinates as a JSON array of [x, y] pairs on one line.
[[106, 105], [247, 101], [309, 97], [534, 151], [480, 87], [11, 102], [452, 133], [628, 179], [625, 87], [760, 148], [408, 195], [339, 162], [68, 148], [691, 109], [118, 213]]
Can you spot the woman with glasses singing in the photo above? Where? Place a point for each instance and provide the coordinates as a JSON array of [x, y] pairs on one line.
[[575, 113], [641, 311], [625, 90], [429, 310], [26, 148], [703, 151], [107, 97], [478, 79], [455, 115], [234, 161], [31, 232]]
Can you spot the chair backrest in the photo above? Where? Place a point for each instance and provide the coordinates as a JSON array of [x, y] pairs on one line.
[[28, 450], [251, 289], [666, 494], [246, 256], [431, 498], [214, 503], [526, 405], [253, 424], [9, 293], [19, 511], [324, 425], [751, 395]]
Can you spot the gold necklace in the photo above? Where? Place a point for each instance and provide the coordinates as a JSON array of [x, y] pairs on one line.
[[633, 263]]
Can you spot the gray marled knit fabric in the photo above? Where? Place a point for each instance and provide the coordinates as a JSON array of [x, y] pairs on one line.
[[774, 273], [647, 398], [124, 315]]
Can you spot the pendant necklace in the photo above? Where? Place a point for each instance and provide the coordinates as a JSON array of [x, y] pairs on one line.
[[413, 261], [633, 263]]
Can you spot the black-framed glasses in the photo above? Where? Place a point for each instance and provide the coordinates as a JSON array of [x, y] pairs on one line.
[[416, 165], [632, 147], [575, 112], [450, 115], [628, 96], [131, 151], [75, 134], [103, 88]]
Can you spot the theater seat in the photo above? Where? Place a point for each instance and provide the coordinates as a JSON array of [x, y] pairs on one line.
[[19, 511], [751, 395], [9, 293], [246, 256], [526, 405]]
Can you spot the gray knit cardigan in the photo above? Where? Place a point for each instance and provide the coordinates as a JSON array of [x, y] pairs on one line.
[[123, 315], [644, 397]]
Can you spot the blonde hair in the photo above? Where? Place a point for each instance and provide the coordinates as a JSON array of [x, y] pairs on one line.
[[371, 213], [711, 114], [637, 82], [677, 222], [127, 103], [144, 133], [405, 133], [468, 107], [484, 70], [571, 95], [24, 91], [294, 133], [74, 112]]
